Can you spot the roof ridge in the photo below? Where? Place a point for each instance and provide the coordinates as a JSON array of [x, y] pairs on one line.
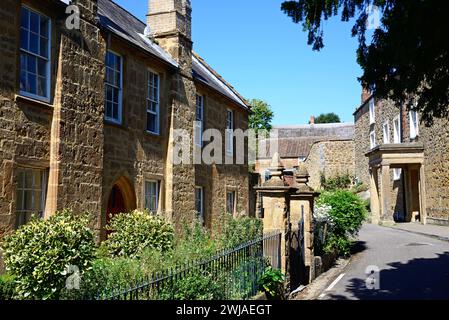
[[216, 74]]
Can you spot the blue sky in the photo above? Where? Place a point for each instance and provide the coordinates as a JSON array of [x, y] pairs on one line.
[[264, 55]]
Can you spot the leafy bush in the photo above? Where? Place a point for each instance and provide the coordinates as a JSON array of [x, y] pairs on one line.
[[323, 222], [235, 231], [7, 287], [348, 213], [38, 254], [197, 285], [336, 183], [272, 283], [105, 276], [134, 232]]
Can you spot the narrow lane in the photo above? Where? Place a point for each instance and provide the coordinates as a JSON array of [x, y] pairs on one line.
[[410, 267]]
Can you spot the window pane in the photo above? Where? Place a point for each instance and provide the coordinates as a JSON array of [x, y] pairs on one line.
[[19, 200], [108, 109], [34, 22], [109, 76], [31, 64], [44, 47], [109, 94], [34, 43], [28, 200], [115, 111], [42, 67], [42, 87], [109, 60], [115, 95], [31, 84], [44, 27], [24, 16], [23, 39], [151, 122], [23, 81]]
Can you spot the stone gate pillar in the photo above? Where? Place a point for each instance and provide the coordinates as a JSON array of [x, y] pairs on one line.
[[301, 213], [275, 195]]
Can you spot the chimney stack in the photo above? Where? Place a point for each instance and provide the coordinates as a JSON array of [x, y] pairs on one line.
[[312, 120], [170, 22], [366, 93]]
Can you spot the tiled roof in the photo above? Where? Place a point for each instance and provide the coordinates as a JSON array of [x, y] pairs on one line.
[[296, 141], [205, 74], [123, 24]]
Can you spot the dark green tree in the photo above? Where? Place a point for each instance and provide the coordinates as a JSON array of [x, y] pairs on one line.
[[327, 118], [261, 116], [408, 55]]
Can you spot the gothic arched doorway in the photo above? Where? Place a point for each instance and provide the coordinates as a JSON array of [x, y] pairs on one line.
[[121, 199]]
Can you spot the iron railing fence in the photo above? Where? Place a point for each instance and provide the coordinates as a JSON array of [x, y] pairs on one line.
[[230, 274]]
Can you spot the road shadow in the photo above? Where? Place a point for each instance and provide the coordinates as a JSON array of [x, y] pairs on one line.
[[418, 279], [358, 246]]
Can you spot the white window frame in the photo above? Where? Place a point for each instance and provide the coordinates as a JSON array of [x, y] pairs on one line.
[[372, 111], [372, 139], [199, 120], [234, 199], [413, 124], [201, 193], [397, 129], [229, 132], [42, 189], [120, 89], [48, 64], [157, 101], [386, 132], [146, 194]]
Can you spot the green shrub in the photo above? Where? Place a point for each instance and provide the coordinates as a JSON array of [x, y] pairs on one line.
[[134, 232], [348, 212], [105, 277], [336, 183], [197, 285], [239, 230], [7, 287], [39, 253], [272, 283]]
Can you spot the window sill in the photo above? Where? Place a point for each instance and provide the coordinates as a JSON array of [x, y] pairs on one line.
[[24, 99], [115, 124], [153, 135]]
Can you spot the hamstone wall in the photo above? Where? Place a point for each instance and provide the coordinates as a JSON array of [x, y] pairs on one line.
[[331, 159]]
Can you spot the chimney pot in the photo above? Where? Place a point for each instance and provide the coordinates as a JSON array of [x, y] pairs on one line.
[[312, 120]]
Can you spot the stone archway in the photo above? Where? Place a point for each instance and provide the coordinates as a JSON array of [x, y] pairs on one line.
[[122, 198]]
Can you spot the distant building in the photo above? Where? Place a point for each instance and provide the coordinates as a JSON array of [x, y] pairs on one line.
[[326, 149]]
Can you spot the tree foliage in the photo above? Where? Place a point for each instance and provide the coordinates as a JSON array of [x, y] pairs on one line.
[[261, 116], [327, 118], [407, 59]]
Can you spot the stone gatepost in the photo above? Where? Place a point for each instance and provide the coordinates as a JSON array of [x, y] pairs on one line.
[[275, 195], [301, 216]]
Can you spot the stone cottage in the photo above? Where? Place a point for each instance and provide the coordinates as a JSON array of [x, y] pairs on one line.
[[89, 110], [325, 149], [405, 163]]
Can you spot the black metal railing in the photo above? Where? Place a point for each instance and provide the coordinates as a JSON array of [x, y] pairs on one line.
[[230, 274]]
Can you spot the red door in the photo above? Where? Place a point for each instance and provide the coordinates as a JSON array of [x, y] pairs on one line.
[[116, 204]]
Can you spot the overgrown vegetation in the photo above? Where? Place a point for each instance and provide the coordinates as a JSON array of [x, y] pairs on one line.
[[335, 183], [346, 213], [272, 283], [39, 254], [140, 246], [7, 287]]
